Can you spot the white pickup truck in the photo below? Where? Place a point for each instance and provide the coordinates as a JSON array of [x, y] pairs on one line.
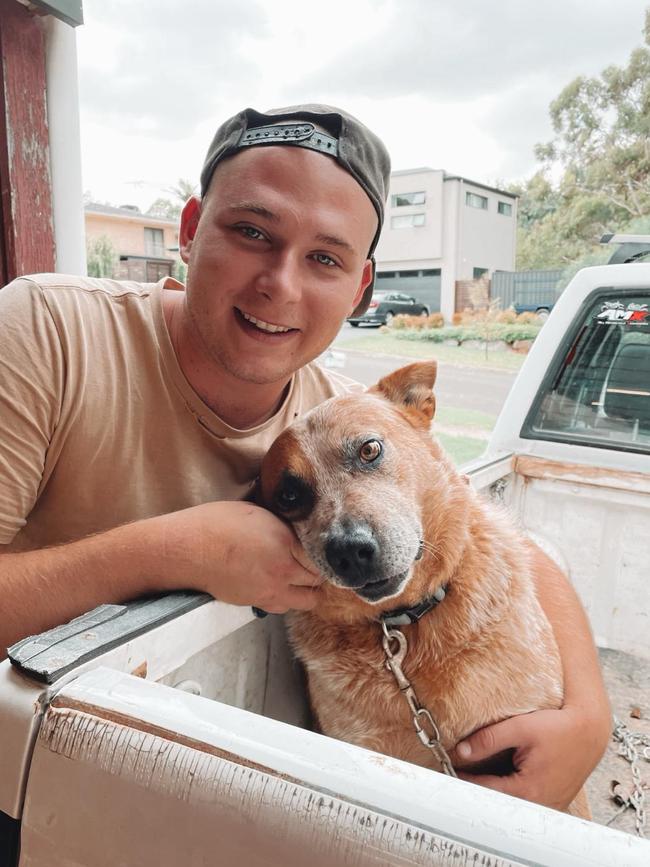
[[173, 731]]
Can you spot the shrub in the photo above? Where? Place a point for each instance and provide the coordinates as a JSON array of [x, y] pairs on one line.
[[434, 320], [456, 318], [509, 332], [528, 318]]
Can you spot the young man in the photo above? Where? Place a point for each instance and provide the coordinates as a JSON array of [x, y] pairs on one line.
[[135, 416]]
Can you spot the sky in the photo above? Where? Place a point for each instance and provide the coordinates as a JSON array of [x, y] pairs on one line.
[[459, 85]]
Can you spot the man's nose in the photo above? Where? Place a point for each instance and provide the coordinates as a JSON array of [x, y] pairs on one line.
[[353, 553], [280, 280]]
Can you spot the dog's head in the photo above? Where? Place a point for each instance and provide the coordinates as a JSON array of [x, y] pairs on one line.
[[366, 487]]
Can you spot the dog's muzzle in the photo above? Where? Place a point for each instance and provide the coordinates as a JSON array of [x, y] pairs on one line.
[[353, 554]]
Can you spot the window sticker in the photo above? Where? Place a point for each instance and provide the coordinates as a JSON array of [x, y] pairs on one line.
[[616, 313]]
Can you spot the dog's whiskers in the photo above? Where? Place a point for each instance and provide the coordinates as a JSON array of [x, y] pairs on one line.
[[429, 548]]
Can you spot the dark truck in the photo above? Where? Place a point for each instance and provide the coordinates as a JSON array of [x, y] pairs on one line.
[[538, 291], [527, 291]]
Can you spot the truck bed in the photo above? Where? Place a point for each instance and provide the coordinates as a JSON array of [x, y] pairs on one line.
[[628, 684]]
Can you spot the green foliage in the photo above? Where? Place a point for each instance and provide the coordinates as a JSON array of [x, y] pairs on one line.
[[179, 270], [164, 208], [509, 332], [101, 257], [601, 147], [170, 208]]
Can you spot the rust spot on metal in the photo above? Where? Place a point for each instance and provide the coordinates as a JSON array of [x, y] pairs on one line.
[[140, 670], [603, 477]]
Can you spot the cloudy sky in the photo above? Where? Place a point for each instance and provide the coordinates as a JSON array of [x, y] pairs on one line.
[[462, 85]]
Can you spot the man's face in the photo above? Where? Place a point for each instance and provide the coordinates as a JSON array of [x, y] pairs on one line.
[[277, 258]]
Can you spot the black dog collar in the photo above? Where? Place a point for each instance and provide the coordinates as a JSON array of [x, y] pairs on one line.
[[407, 615]]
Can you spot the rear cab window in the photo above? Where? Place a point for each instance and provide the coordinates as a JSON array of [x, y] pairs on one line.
[[597, 390]]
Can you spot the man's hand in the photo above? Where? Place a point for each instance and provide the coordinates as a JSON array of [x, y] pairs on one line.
[[242, 554], [554, 753]]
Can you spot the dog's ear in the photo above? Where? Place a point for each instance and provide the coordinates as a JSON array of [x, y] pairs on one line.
[[411, 388]]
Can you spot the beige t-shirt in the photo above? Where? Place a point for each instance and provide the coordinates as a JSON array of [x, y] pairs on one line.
[[98, 425]]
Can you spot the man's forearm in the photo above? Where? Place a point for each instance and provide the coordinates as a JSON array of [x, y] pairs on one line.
[[238, 552], [41, 589], [583, 682]]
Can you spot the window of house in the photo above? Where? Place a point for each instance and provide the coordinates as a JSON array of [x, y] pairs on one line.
[[401, 199], [478, 272], [473, 200], [154, 242], [597, 390], [407, 221], [386, 275], [504, 208]]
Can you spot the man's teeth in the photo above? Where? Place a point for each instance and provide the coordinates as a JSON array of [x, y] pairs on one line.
[[265, 326]]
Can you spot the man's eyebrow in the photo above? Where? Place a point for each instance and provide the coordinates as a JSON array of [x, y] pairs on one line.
[[335, 242], [253, 207], [261, 211]]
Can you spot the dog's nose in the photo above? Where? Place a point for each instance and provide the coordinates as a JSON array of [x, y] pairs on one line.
[[353, 554]]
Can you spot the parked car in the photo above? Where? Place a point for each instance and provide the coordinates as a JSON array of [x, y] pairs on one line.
[[385, 305]]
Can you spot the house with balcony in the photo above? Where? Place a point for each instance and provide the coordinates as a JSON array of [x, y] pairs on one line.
[[146, 246], [440, 231]]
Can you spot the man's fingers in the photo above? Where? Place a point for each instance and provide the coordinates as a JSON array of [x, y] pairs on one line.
[[507, 785], [302, 598], [300, 556], [486, 742]]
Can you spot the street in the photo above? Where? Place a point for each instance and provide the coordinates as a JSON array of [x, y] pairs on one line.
[[458, 387]]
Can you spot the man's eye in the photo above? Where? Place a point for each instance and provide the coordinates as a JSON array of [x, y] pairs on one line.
[[251, 232], [324, 259]]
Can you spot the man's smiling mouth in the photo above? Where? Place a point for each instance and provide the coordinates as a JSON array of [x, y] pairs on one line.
[[265, 326]]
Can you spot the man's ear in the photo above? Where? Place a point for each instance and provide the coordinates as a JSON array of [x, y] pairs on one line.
[[190, 216], [410, 388], [366, 280]]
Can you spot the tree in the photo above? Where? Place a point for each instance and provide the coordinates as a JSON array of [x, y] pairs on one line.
[[165, 208], [602, 148], [101, 257], [170, 209]]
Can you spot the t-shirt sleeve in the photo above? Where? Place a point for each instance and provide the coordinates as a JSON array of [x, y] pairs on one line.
[[32, 371], [341, 384]]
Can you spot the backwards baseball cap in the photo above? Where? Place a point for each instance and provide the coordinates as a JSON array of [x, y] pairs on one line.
[[354, 147]]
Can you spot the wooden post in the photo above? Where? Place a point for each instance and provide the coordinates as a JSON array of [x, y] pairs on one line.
[[27, 234]]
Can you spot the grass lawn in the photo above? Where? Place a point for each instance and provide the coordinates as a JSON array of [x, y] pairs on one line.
[[388, 344], [461, 449], [467, 418]]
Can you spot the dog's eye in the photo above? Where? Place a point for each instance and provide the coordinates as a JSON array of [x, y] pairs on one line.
[[287, 499], [370, 451]]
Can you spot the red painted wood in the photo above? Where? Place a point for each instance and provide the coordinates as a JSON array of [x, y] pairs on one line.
[[27, 243]]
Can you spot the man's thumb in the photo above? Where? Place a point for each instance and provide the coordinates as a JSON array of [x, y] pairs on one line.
[[484, 743]]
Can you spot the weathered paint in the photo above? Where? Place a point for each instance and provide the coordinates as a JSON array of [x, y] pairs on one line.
[[282, 797], [25, 188], [601, 477]]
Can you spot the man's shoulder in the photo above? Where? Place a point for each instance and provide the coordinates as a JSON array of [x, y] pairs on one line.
[[78, 283], [320, 383]]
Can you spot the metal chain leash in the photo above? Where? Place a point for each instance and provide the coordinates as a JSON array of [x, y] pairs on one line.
[[630, 743], [394, 661]]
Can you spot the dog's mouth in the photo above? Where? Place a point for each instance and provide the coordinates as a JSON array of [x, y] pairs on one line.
[[374, 591]]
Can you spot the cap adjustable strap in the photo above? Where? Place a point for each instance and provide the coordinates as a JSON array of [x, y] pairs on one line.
[[300, 134], [407, 615]]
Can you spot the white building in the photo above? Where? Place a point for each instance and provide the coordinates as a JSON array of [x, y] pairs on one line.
[[440, 229]]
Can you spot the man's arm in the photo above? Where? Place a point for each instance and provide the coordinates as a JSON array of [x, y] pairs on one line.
[[236, 551], [555, 750]]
